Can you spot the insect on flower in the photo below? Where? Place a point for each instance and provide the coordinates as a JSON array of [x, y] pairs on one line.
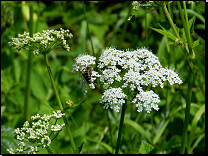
[[87, 73]]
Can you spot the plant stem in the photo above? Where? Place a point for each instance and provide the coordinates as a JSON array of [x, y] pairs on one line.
[[29, 69], [190, 81], [49, 150], [109, 124], [53, 83], [59, 103], [171, 22], [188, 104], [120, 128], [93, 52]]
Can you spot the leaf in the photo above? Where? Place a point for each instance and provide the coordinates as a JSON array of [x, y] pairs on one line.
[[108, 147], [165, 33], [191, 25], [197, 116], [138, 128], [7, 140], [79, 149], [48, 106], [160, 132], [146, 148], [196, 43], [37, 86]]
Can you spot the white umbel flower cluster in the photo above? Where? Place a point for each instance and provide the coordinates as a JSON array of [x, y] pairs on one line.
[[81, 62], [132, 70], [42, 42], [38, 133], [113, 98], [128, 72]]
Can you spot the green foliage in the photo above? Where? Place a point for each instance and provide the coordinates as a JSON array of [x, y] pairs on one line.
[[146, 148], [157, 132]]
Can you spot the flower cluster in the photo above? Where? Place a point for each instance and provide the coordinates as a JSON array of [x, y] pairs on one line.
[[42, 42], [128, 72], [135, 5], [113, 98], [81, 62], [38, 133]]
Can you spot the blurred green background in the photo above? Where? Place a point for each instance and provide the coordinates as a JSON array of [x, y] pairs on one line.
[[88, 122]]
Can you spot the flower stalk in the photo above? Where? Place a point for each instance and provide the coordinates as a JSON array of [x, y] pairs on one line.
[[120, 127], [59, 103], [29, 68]]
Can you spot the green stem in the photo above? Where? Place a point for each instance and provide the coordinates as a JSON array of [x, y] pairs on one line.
[[186, 51], [49, 150], [170, 21], [190, 80], [120, 128], [110, 129], [29, 69], [59, 103], [146, 33], [188, 104], [93, 52], [123, 33], [53, 83]]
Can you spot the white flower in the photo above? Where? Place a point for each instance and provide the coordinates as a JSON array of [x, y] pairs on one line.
[[33, 150], [37, 133], [135, 5], [57, 127], [146, 99], [81, 62], [41, 42], [58, 114], [132, 70], [128, 72], [113, 98], [11, 151], [46, 141]]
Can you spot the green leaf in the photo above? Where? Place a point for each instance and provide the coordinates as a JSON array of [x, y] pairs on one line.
[[183, 36], [108, 147], [138, 128], [165, 33], [191, 25], [146, 148], [197, 117], [79, 149], [50, 108], [7, 140], [37, 86], [196, 43], [160, 132]]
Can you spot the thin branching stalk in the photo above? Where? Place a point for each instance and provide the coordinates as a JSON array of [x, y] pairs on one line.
[[186, 51], [93, 52], [59, 103], [190, 82], [120, 127], [53, 83], [109, 124], [125, 26], [188, 105], [49, 150], [29, 69], [146, 32]]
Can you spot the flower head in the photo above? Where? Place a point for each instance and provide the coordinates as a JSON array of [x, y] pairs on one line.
[[82, 63], [113, 98], [125, 73], [42, 42], [38, 132], [131, 70]]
